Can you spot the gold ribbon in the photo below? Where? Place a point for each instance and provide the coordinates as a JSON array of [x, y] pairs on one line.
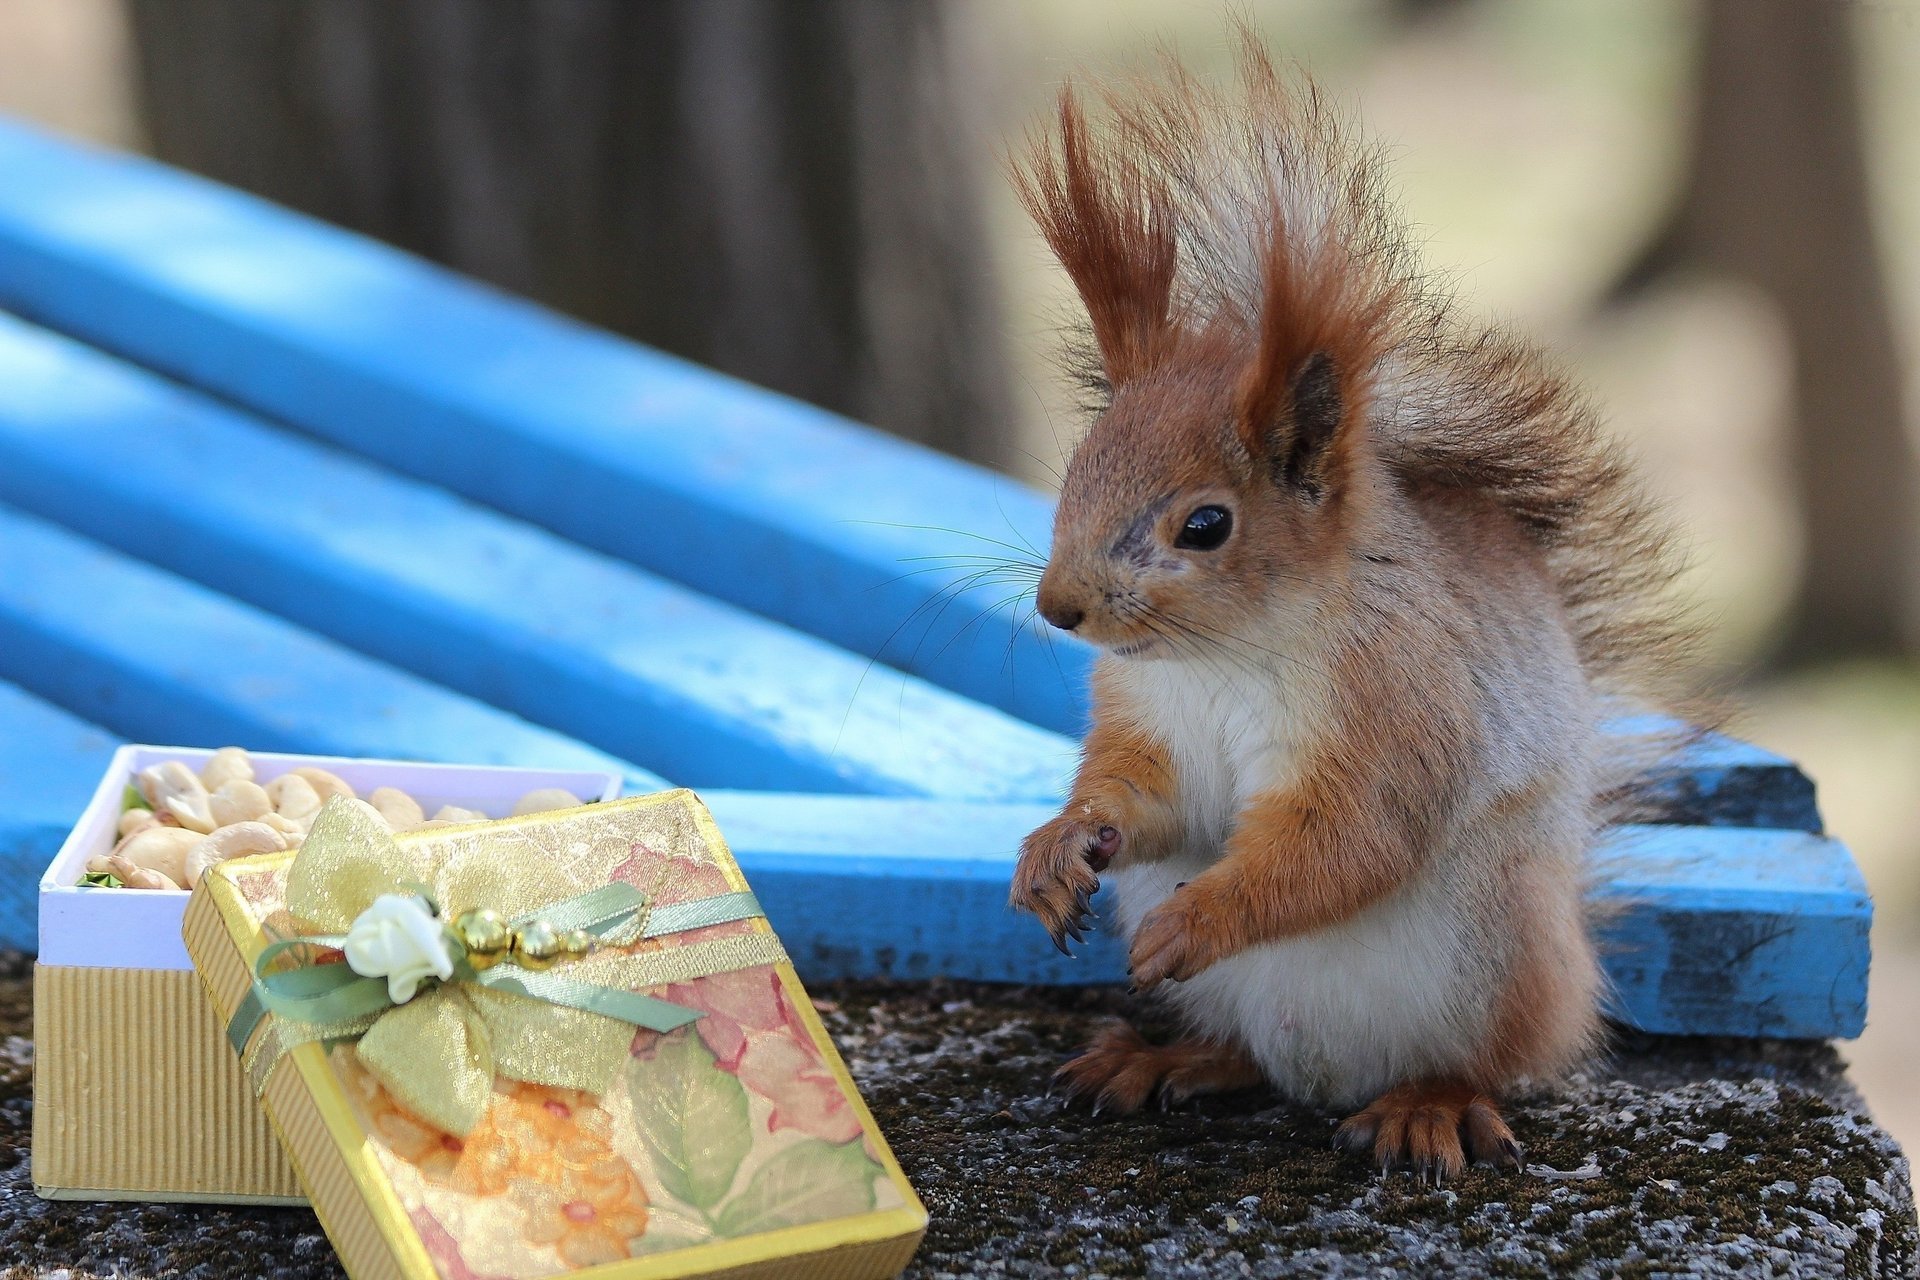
[[437, 1054]]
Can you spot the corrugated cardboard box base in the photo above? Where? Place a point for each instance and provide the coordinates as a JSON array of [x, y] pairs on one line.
[[136, 1093], [137, 1096]]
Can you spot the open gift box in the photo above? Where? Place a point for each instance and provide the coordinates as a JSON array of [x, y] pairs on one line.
[[137, 1095], [558, 1043]]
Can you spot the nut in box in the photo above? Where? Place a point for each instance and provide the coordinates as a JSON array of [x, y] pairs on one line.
[[137, 1095]]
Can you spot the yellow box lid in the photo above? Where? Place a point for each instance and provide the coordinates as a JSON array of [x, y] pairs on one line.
[[736, 1145]]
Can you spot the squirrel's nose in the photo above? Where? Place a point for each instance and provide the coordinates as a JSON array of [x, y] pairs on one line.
[[1064, 616]]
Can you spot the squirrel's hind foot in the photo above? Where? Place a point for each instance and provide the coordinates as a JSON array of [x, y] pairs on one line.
[[1433, 1127], [1120, 1070]]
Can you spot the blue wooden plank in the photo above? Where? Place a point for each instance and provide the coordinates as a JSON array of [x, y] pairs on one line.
[[1707, 931], [1736, 932], [756, 499], [158, 659], [699, 691], [753, 498], [50, 762], [1723, 782]]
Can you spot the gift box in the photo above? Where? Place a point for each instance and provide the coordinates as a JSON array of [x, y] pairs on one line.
[[136, 1094], [563, 1042]]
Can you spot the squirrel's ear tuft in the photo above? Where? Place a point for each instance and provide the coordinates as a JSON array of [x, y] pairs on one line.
[[1322, 328], [1110, 223]]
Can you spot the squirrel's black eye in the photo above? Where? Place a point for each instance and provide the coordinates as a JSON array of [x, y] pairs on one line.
[[1205, 529]]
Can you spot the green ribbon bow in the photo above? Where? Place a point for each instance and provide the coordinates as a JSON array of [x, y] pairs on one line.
[[438, 1052]]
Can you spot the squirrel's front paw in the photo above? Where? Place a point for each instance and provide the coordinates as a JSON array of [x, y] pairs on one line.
[[1178, 939], [1055, 876]]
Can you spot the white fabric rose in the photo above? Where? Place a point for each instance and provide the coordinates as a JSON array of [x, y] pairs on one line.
[[398, 938]]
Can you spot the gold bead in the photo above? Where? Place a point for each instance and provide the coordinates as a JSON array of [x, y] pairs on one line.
[[537, 946], [575, 943], [486, 936]]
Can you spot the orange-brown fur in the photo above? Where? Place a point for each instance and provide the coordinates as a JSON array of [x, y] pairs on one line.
[[1128, 787], [1373, 706], [1121, 1070], [1434, 1126]]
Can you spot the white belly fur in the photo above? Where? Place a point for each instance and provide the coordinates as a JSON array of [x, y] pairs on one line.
[[1338, 1016], [1333, 1017]]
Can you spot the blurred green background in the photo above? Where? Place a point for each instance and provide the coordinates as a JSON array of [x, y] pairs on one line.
[[1711, 209]]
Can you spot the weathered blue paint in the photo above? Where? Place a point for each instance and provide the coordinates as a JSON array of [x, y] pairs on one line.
[[753, 498], [1736, 932], [50, 762], [750, 498], [1717, 781], [158, 659], [701, 692], [1709, 931]]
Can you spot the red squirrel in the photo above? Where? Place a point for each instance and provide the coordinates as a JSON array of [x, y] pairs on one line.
[[1365, 577]]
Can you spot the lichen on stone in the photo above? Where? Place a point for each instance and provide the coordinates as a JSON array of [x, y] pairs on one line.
[[1709, 1157], [1702, 1157]]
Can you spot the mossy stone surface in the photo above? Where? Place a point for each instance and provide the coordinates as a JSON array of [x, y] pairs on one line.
[[1699, 1157]]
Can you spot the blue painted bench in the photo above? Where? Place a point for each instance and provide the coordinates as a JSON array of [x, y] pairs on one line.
[[264, 481]]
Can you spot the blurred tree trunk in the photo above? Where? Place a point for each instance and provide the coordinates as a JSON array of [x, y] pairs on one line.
[[1776, 193], [788, 192]]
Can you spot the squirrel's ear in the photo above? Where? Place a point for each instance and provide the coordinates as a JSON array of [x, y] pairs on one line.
[[1110, 224], [1299, 448], [1322, 324], [1292, 420]]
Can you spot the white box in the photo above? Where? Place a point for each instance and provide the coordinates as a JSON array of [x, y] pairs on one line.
[[137, 1095]]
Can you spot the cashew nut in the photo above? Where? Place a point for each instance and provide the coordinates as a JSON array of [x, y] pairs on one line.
[[292, 830], [544, 799], [229, 764], [326, 785], [293, 797], [223, 812], [402, 811], [136, 820], [173, 788], [134, 876], [240, 800], [231, 842], [162, 849]]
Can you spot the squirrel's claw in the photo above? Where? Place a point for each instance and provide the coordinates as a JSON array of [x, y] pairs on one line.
[[1179, 939], [1054, 880], [1159, 953], [1079, 919]]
